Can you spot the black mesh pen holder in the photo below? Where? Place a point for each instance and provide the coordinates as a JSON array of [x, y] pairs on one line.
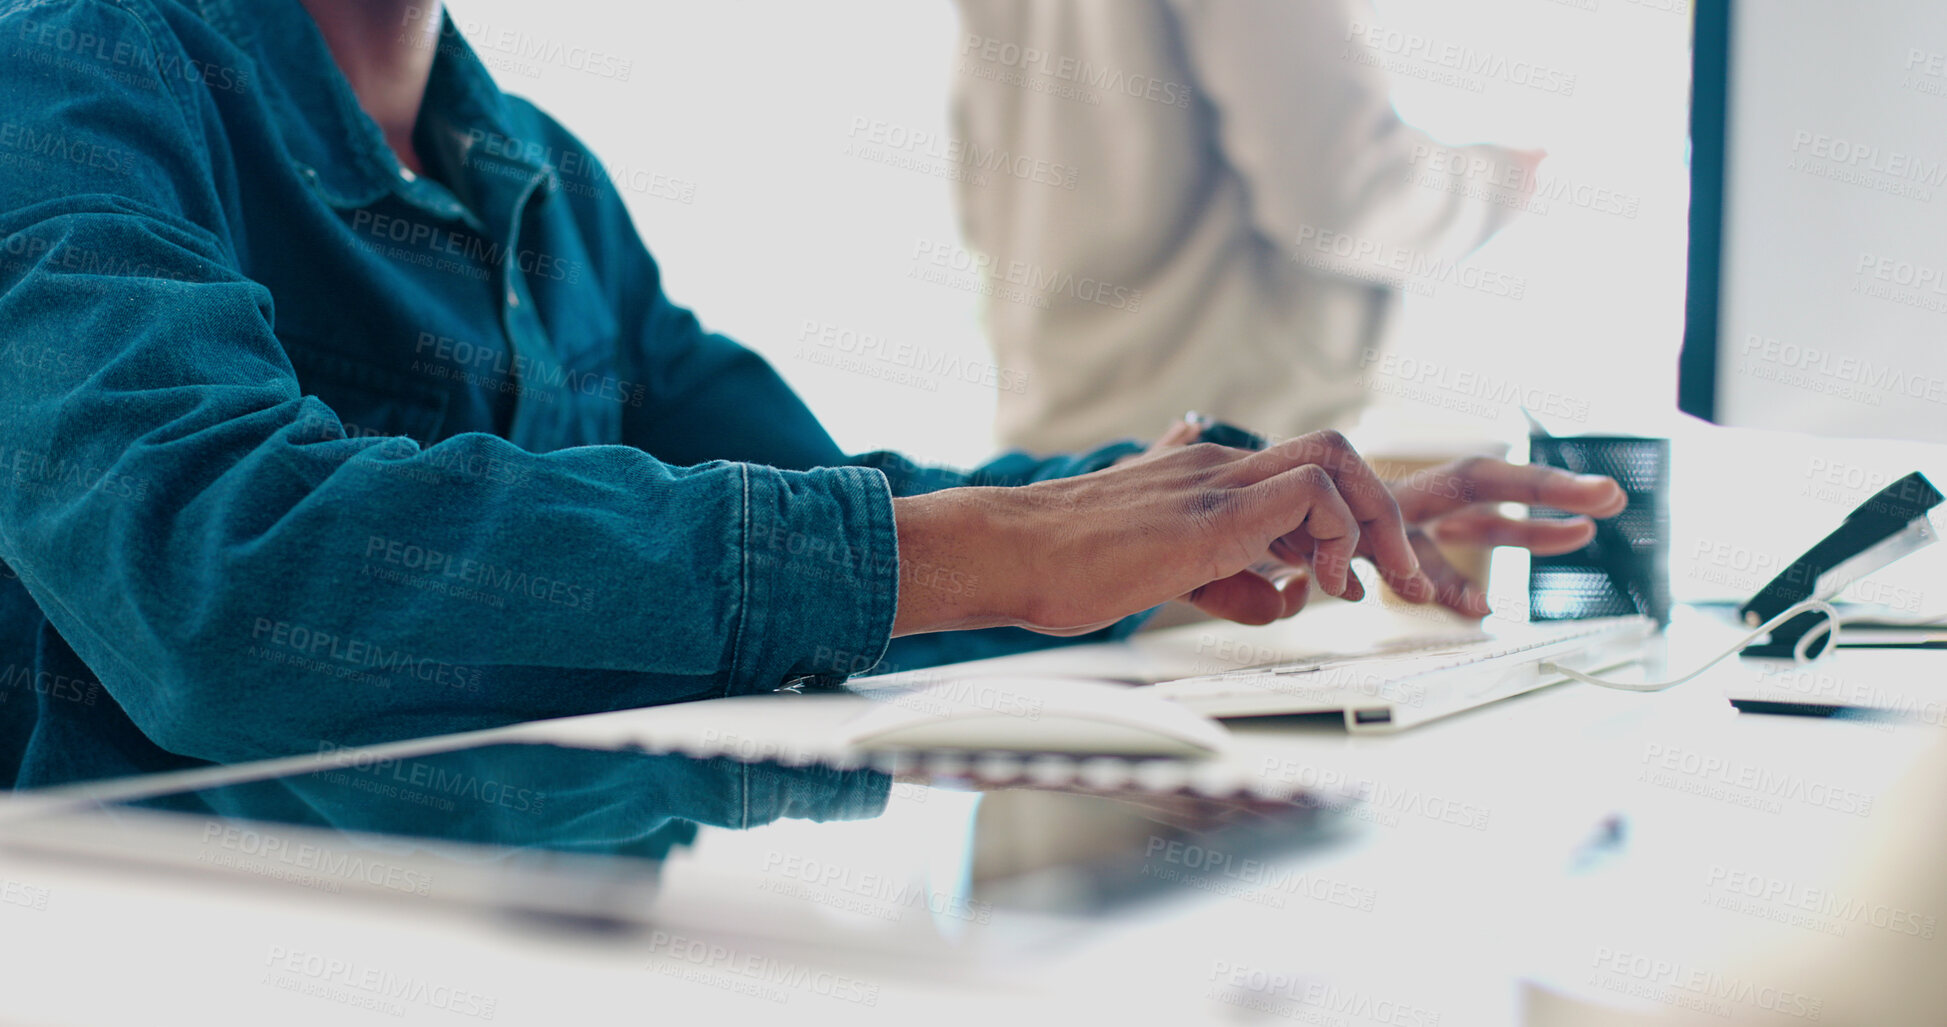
[[1626, 569]]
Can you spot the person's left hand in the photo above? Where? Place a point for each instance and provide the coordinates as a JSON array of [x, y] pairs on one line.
[[1455, 503]]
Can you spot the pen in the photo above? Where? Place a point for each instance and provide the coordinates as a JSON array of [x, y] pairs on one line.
[[1209, 429]]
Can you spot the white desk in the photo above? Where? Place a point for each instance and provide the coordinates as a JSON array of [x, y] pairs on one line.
[[1463, 882]]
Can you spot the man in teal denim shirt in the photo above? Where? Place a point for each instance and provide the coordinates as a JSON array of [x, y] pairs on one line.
[[340, 402]]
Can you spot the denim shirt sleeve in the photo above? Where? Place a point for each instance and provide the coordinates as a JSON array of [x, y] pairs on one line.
[[172, 503], [1009, 469]]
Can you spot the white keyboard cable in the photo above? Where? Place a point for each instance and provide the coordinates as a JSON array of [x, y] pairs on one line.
[[1830, 624]]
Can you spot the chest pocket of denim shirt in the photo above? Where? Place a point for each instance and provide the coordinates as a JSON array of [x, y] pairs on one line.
[[595, 397], [369, 399], [585, 395]]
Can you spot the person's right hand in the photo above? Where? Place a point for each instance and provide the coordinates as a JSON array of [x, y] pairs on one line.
[[1076, 554]]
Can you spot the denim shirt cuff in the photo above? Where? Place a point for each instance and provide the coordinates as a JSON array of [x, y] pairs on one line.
[[1097, 459], [821, 576]]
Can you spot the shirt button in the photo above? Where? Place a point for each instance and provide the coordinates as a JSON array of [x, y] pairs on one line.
[[513, 298], [406, 173]]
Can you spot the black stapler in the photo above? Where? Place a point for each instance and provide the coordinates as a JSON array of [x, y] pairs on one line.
[[1884, 528]]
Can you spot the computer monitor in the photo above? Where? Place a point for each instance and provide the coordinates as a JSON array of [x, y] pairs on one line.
[[1818, 218]]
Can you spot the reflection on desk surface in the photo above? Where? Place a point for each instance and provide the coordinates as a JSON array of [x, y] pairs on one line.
[[530, 826]]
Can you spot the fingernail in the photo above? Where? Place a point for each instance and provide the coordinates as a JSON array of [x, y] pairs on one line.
[[1591, 479]]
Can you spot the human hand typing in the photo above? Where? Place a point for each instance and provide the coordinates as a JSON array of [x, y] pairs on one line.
[[1199, 522], [1456, 503]]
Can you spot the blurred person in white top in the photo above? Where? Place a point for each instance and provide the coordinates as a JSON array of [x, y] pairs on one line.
[[1197, 204]]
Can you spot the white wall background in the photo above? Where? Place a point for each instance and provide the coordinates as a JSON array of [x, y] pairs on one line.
[[752, 104], [744, 107]]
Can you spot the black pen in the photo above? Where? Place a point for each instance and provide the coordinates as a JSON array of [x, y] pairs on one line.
[[1209, 429]]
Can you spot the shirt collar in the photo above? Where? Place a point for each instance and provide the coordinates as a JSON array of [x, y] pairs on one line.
[[329, 138]]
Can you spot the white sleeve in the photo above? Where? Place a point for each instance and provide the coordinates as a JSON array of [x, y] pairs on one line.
[[1304, 117]]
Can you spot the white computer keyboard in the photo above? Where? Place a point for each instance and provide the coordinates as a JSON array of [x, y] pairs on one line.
[[1408, 646], [1410, 680]]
